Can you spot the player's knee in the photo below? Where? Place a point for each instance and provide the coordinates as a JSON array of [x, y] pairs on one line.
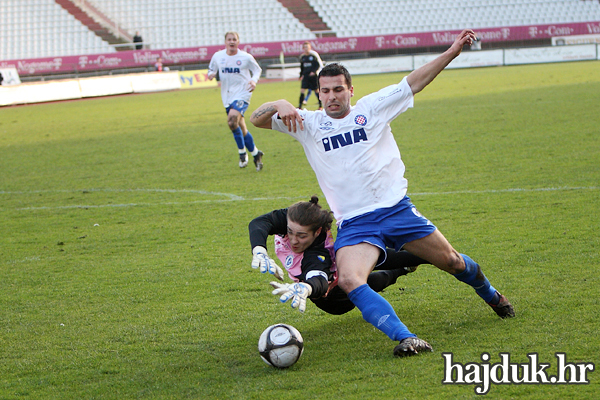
[[344, 284], [350, 282], [233, 123], [454, 263]]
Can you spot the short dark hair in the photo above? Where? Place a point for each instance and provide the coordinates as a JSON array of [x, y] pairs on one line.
[[335, 69], [310, 213]]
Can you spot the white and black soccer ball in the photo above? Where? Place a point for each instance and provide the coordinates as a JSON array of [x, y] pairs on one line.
[[280, 345]]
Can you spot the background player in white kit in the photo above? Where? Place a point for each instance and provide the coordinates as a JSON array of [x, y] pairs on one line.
[[238, 72], [357, 163]]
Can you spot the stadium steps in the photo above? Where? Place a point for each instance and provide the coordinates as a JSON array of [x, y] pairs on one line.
[[107, 30], [305, 13]]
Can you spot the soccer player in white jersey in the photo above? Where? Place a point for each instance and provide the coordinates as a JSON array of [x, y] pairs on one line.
[[357, 163], [239, 72]]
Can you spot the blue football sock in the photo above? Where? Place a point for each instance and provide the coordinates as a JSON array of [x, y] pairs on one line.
[[379, 313], [308, 95], [239, 137], [473, 276], [249, 141]]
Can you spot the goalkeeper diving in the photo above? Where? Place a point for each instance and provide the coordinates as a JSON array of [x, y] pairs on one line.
[[304, 245]]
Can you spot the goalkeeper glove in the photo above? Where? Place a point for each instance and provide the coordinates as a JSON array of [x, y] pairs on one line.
[[261, 260], [298, 292]]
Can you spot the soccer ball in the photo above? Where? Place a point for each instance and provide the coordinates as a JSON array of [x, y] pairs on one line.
[[280, 345]]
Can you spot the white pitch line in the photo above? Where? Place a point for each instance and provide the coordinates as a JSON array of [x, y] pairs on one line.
[[229, 195], [232, 197], [154, 204]]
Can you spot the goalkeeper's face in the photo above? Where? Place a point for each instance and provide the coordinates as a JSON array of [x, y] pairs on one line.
[[300, 237]]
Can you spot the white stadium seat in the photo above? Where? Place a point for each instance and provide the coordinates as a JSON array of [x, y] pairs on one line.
[[44, 29]]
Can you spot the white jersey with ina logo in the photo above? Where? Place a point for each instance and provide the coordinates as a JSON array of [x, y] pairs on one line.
[[356, 158], [235, 74]]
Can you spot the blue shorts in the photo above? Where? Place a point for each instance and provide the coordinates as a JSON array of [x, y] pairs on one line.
[[390, 227], [239, 105]]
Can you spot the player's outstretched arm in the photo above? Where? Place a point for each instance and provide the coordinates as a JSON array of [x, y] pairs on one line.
[[261, 118], [424, 75]]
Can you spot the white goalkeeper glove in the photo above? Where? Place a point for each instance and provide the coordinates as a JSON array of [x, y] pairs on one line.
[[298, 292], [261, 260]]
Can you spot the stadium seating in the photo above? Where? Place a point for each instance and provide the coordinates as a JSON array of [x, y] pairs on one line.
[[42, 28], [188, 23], [374, 17]]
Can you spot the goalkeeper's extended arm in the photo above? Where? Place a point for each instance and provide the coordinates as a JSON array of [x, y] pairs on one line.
[[261, 260], [298, 292]]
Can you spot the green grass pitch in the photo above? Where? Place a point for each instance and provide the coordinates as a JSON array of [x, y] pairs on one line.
[[125, 262]]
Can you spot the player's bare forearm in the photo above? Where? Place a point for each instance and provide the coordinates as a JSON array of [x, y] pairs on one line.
[[261, 117], [424, 75]]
